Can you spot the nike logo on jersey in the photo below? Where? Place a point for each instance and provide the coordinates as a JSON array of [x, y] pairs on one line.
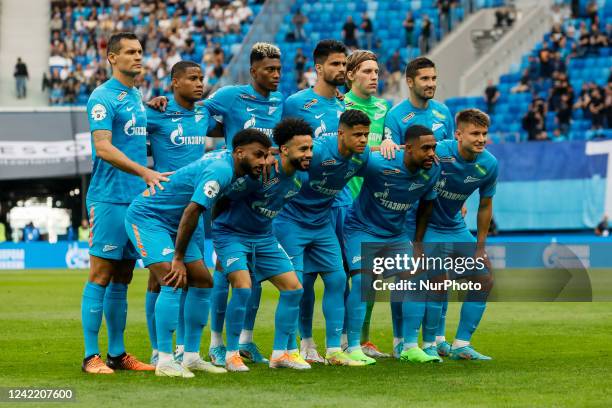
[[389, 184], [198, 118], [167, 251], [108, 248], [319, 116], [436, 126], [446, 173], [414, 186], [327, 173], [250, 109], [379, 115], [356, 259], [272, 109], [470, 179], [129, 109], [176, 119], [230, 261]]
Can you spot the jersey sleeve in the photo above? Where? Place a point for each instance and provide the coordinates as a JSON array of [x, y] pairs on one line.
[[213, 180], [392, 129], [489, 188], [101, 112], [290, 108], [153, 121], [218, 103], [450, 123]]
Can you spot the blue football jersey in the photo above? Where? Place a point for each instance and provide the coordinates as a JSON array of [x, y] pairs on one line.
[[328, 174], [113, 106], [177, 136], [201, 182], [260, 206], [436, 116], [241, 107], [323, 115], [389, 190], [458, 180]]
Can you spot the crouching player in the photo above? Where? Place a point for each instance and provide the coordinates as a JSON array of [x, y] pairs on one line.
[[390, 189], [161, 226], [243, 240], [466, 167]]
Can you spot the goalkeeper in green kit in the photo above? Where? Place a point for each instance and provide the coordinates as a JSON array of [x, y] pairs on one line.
[[362, 82]]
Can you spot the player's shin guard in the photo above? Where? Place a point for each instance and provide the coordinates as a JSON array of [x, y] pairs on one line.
[[285, 318], [356, 310], [235, 316], [333, 306], [115, 312], [307, 305], [252, 306], [180, 328], [413, 312], [166, 317], [197, 306], [218, 302], [150, 299], [441, 330], [397, 319], [91, 316], [471, 313]]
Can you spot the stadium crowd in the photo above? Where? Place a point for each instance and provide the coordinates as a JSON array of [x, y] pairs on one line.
[[207, 31]]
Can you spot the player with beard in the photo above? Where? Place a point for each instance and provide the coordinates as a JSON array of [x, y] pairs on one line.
[[161, 226], [178, 138], [320, 107], [251, 246], [419, 109]]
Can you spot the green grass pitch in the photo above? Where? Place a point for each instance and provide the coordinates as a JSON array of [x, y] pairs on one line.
[[545, 354]]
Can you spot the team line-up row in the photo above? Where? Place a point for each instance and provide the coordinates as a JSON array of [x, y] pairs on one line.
[[302, 184]]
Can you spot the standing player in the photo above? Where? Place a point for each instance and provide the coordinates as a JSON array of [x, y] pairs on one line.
[[390, 189], [362, 82], [320, 107], [303, 227], [118, 124], [466, 167], [161, 227], [242, 246], [259, 106], [178, 138], [420, 108]]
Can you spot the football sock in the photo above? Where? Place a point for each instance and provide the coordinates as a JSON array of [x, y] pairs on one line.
[[91, 316], [115, 312], [165, 358], [166, 317], [190, 357], [333, 306], [471, 313], [307, 305], [433, 310], [246, 336], [216, 339], [396, 319], [356, 310], [197, 306], [365, 329], [218, 302], [440, 339], [252, 307], [441, 330], [150, 299], [285, 317], [413, 312], [427, 344], [235, 316], [277, 353], [180, 328], [460, 343]]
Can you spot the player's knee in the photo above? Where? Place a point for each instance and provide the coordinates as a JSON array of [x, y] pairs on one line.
[[335, 281], [240, 280]]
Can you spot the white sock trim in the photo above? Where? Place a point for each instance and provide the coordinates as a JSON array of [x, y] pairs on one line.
[[460, 343], [216, 339], [246, 336], [190, 356], [165, 358], [278, 353], [440, 339]]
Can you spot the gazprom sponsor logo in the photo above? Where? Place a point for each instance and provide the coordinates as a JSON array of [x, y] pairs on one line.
[[130, 128], [13, 258], [177, 138], [567, 256]]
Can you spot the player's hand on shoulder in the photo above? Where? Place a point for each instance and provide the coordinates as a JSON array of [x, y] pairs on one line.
[[158, 103], [388, 149], [177, 275], [154, 178], [267, 170]]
